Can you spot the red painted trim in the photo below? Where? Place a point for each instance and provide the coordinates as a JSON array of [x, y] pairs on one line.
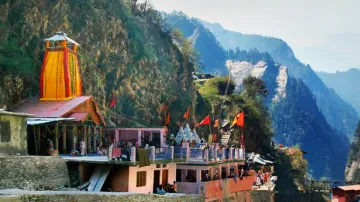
[[66, 74], [42, 74]]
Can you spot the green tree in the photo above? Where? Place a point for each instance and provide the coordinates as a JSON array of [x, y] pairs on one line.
[[254, 87]]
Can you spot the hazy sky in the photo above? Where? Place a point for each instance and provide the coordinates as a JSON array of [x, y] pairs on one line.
[[322, 33]]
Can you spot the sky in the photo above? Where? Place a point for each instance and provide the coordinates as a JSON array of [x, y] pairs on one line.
[[322, 33]]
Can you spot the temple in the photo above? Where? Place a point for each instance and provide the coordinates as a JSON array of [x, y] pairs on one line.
[[61, 110]]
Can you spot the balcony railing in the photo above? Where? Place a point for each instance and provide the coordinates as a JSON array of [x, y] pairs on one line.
[[180, 153]]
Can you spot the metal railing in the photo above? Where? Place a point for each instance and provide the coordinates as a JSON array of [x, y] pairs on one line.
[[196, 154], [179, 153], [162, 153]]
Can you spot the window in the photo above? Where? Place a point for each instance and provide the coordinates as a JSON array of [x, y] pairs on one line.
[[141, 179], [5, 131]]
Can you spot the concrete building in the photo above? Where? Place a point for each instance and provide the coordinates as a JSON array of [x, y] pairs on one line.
[[13, 136], [345, 193]]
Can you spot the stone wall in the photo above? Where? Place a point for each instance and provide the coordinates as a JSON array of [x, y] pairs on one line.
[[18, 138], [62, 196], [33, 172]]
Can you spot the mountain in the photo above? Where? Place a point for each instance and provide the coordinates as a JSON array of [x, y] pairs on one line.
[[337, 112], [212, 56], [345, 84], [304, 125], [296, 119], [352, 172], [124, 53]]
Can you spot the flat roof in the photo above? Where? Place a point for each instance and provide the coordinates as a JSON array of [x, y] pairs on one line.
[[350, 187]]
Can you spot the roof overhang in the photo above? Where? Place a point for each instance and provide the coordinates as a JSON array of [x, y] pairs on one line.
[[37, 121]]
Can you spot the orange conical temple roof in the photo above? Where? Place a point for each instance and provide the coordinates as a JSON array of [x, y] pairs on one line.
[[60, 77]]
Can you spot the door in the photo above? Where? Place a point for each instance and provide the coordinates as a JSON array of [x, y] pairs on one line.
[[164, 179], [156, 180]]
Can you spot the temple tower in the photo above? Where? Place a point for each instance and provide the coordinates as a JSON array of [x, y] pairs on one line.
[[60, 77]]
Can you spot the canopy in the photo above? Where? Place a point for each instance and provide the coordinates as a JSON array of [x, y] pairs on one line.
[[61, 36], [37, 121]]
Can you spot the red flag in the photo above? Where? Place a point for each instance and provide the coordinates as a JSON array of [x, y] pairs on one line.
[[112, 102], [167, 121], [215, 137], [240, 120], [205, 121], [187, 113]]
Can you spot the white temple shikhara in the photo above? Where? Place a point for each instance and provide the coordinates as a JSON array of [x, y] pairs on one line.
[[187, 135]]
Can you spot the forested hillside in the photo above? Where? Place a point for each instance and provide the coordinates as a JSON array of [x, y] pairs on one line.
[[124, 53], [212, 55], [338, 113], [345, 84]]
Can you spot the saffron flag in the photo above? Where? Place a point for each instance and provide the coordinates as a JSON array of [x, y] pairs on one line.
[[112, 102], [240, 119], [187, 113], [217, 123], [167, 121], [205, 121]]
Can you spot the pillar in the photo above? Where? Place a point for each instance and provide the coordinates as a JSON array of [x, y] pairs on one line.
[[100, 137], [94, 143], [206, 155], [89, 139], [152, 153], [38, 139], [230, 153], [236, 153], [162, 142], [56, 137], [211, 173], [219, 171], [151, 135], [187, 153], [215, 154], [198, 175], [139, 137], [241, 153], [133, 155], [227, 169], [172, 152], [223, 154], [74, 137], [117, 136], [236, 169], [64, 139], [85, 138]]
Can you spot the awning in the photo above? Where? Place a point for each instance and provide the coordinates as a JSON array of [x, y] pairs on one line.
[[259, 160], [269, 162], [37, 121]]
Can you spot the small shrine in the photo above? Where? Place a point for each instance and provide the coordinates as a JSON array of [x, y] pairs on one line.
[[63, 114]]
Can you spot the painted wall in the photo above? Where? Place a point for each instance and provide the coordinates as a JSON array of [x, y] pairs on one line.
[[119, 178], [18, 139], [150, 177]]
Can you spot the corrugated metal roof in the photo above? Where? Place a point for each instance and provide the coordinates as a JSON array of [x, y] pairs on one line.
[[61, 36], [350, 187], [2, 111], [37, 121], [49, 108]]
